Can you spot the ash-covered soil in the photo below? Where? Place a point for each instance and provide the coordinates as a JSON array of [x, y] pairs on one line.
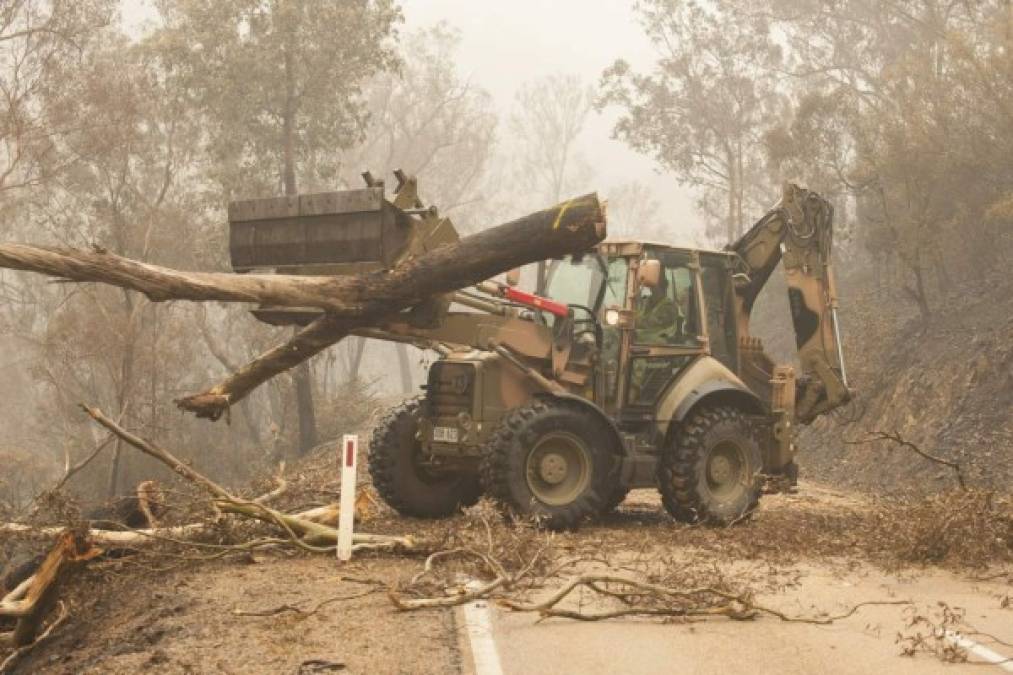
[[188, 621], [945, 384]]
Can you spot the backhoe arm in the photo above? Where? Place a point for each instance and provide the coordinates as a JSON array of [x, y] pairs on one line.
[[799, 232]]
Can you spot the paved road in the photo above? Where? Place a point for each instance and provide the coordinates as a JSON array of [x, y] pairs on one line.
[[517, 644], [864, 643]]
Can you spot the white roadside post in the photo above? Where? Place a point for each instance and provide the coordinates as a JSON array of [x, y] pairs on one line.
[[346, 516]]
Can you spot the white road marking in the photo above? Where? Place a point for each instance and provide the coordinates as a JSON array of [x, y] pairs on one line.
[[478, 621], [981, 651]]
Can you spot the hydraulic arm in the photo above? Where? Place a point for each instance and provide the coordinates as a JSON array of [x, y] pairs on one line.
[[799, 232]]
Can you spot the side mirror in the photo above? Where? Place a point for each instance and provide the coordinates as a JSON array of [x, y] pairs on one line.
[[513, 277], [649, 273]]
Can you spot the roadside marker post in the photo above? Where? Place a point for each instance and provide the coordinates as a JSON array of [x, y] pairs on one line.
[[346, 516]]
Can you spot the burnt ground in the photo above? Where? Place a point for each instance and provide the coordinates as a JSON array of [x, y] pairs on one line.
[[945, 384], [134, 615], [185, 621]]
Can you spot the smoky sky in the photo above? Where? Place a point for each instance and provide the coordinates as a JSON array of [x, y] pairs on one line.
[[505, 44]]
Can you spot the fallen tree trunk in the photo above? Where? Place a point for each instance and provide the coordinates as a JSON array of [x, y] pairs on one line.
[[110, 537], [349, 302], [571, 227]]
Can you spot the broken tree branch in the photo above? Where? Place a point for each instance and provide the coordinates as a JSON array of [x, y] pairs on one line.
[[280, 488], [304, 533], [110, 537], [8, 664], [161, 455], [568, 228], [895, 437], [308, 342], [349, 302], [660, 600], [30, 603]]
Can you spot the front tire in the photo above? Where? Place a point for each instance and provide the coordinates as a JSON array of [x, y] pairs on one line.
[[399, 480], [711, 471], [550, 460]]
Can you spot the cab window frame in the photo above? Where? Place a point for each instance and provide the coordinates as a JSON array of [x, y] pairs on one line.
[[672, 263]]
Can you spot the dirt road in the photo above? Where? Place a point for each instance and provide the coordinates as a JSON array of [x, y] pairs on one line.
[[299, 614]]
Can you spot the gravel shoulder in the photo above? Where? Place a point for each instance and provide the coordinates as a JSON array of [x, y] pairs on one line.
[[186, 622]]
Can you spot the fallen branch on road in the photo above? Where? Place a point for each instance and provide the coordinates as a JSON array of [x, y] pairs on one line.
[[647, 586], [642, 598]]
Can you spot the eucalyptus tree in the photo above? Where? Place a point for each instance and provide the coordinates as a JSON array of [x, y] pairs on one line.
[[280, 85], [548, 118], [39, 41], [702, 109], [906, 106]]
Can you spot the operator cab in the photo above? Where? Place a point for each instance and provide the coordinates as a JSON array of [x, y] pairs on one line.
[[664, 306]]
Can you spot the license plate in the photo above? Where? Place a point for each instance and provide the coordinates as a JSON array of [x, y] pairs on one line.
[[445, 434]]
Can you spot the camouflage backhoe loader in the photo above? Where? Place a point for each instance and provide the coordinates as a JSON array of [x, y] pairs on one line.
[[635, 368]]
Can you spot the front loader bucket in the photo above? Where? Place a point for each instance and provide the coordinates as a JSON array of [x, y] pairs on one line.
[[331, 233], [346, 232]]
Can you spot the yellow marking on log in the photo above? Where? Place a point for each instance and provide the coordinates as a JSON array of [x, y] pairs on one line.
[[559, 216]]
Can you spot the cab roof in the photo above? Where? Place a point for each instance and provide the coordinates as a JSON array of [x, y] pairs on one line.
[[635, 245]]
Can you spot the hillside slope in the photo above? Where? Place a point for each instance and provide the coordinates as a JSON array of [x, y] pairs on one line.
[[945, 385]]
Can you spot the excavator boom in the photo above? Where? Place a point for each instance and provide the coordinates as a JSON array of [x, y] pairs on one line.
[[798, 231]]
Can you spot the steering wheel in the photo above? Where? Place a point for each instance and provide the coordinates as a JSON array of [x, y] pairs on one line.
[[589, 324]]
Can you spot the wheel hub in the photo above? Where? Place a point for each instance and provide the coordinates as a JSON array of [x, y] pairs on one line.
[[720, 469], [558, 468], [725, 466], [553, 468]]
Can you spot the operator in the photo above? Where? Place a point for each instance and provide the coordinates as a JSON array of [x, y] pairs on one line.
[[658, 316]]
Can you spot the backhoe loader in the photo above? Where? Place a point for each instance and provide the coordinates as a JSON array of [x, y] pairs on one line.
[[633, 368]]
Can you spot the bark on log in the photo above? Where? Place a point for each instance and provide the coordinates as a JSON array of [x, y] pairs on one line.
[[112, 537], [308, 342], [349, 302], [572, 227]]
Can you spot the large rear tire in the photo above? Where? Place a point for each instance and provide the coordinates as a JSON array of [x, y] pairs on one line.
[[711, 471], [399, 479], [551, 460], [617, 497]]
